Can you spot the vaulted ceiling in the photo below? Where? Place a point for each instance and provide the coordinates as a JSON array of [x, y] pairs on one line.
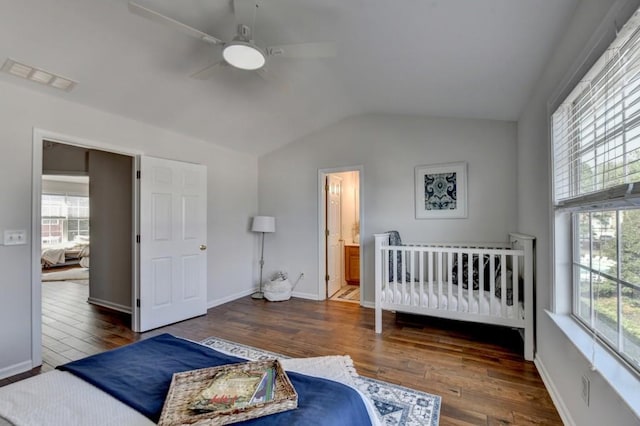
[[447, 58]]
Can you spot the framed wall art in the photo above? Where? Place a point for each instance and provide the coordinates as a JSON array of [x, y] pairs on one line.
[[441, 191]]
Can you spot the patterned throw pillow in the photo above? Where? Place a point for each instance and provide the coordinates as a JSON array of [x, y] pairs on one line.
[[475, 270]]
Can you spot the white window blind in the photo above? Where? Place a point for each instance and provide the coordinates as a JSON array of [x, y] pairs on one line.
[[596, 130]]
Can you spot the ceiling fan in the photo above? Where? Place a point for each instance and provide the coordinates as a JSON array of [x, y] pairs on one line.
[[241, 51]]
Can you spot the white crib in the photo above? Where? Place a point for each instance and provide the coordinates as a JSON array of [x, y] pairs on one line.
[[450, 281]]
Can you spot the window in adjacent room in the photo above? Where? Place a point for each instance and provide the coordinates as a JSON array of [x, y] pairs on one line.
[[64, 218], [596, 164]]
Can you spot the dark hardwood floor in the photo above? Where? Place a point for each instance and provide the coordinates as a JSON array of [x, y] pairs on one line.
[[478, 370]]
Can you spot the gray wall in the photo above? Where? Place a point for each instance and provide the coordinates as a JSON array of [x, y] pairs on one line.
[[64, 159], [231, 191], [111, 229], [389, 148], [558, 357]]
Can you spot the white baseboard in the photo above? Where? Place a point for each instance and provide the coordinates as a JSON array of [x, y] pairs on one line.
[[310, 296], [222, 301], [369, 305], [106, 304], [553, 392], [14, 369]]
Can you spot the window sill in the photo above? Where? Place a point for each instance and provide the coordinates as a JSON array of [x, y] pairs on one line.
[[615, 373]]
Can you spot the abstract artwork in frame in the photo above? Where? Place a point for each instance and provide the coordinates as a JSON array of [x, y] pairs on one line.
[[441, 191]]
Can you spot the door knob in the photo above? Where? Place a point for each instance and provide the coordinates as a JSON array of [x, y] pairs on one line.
[[203, 247]]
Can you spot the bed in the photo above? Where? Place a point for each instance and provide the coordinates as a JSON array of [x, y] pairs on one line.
[[490, 283], [128, 385], [64, 254]]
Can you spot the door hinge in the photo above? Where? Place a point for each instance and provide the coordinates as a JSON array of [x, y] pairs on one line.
[[326, 187], [326, 232], [138, 174], [138, 303], [138, 239], [327, 277]]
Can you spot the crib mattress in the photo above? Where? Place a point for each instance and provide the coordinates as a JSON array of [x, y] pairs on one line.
[[482, 302]]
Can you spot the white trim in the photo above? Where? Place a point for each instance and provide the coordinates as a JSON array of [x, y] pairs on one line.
[[14, 369], [106, 304], [309, 296], [83, 142], [36, 250], [322, 174], [135, 265], [564, 413], [39, 136], [368, 305]]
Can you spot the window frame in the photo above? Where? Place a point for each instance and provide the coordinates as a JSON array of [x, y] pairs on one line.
[[65, 217], [618, 347], [572, 118]]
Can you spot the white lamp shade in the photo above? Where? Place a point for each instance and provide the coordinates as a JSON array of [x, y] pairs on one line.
[[264, 224]]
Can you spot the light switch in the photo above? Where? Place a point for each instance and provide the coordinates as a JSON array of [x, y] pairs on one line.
[[15, 237]]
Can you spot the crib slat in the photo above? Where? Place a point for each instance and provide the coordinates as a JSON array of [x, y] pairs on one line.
[[469, 281], [460, 279], [430, 277], [514, 295], [384, 285], [481, 284], [425, 276], [503, 285], [450, 278], [440, 271], [422, 279], [394, 253], [492, 284]]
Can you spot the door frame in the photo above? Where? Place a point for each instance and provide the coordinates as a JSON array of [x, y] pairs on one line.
[[39, 137], [322, 174]]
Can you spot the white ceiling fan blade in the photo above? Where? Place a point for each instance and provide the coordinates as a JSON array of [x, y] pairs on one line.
[[272, 78], [158, 17], [209, 71], [303, 50], [245, 11]]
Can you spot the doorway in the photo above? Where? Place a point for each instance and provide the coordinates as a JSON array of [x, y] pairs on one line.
[[110, 230], [167, 200], [86, 228], [340, 227]]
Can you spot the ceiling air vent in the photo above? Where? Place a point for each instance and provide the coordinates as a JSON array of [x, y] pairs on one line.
[[38, 75]]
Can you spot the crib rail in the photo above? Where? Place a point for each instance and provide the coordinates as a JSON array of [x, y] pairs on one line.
[[481, 282]]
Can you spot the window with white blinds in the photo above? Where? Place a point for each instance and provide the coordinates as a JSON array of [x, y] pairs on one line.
[[596, 130], [596, 179]]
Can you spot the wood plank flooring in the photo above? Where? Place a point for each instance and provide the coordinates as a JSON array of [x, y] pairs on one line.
[[478, 370]]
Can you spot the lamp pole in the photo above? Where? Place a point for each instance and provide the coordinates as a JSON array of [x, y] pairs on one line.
[[260, 294]]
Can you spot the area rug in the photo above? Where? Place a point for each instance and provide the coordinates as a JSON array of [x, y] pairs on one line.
[[396, 405], [73, 274]]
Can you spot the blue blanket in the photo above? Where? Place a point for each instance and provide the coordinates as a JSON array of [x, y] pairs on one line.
[[140, 374]]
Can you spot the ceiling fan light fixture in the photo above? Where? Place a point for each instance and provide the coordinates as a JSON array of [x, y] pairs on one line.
[[244, 55]]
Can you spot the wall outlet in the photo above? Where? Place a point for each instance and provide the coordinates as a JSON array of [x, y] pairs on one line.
[[585, 390]]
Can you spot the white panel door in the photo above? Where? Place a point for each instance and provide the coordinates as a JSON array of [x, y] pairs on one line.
[[334, 252], [173, 238]]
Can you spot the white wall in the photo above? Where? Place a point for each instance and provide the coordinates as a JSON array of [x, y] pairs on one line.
[[558, 357], [70, 188], [232, 199], [388, 147]]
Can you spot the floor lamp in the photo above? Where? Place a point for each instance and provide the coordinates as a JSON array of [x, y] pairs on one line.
[[262, 224]]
